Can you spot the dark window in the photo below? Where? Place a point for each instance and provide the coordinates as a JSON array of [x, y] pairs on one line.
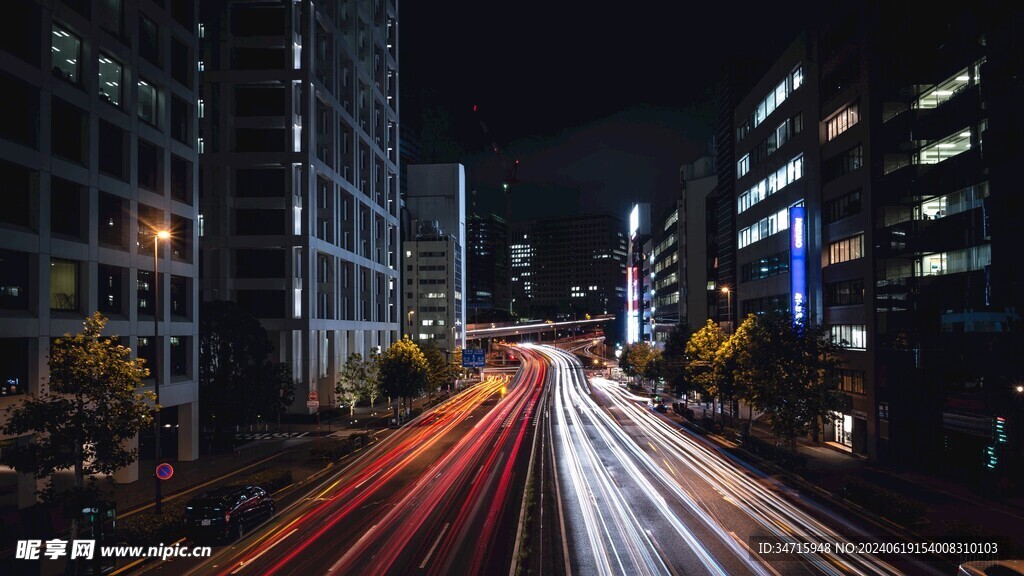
[[111, 16], [149, 166], [111, 220], [846, 205], [765, 267], [180, 120], [144, 349], [83, 7], [262, 303], [261, 140], [260, 222], [180, 297], [181, 179], [110, 289], [179, 356], [181, 10], [259, 58], [259, 21], [20, 190], [851, 381], [181, 238], [68, 208], [63, 284], [19, 30], [260, 101], [777, 303], [845, 293], [257, 263], [181, 64], [20, 120], [261, 182], [14, 359], [112, 150], [150, 219], [14, 276], [69, 134], [149, 40], [147, 102], [844, 163]]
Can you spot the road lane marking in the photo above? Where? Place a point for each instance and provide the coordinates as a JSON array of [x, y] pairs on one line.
[[265, 550], [434, 547]]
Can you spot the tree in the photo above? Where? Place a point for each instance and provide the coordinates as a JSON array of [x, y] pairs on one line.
[[442, 372], [641, 360], [725, 366], [789, 370], [674, 360], [371, 389], [238, 383], [82, 420], [701, 349], [404, 371], [351, 386]]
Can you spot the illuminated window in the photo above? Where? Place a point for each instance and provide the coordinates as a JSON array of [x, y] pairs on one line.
[[66, 51], [846, 249], [842, 121], [852, 336], [110, 80]]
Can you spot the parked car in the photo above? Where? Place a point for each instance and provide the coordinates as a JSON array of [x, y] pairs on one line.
[[227, 512]]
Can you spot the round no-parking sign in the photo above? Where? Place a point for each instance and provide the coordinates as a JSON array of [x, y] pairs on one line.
[[164, 471]]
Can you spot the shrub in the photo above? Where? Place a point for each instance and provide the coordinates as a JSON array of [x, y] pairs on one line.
[[881, 501], [151, 529], [780, 455], [270, 479]]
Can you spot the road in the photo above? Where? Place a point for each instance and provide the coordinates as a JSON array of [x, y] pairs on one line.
[[442, 495], [638, 495]]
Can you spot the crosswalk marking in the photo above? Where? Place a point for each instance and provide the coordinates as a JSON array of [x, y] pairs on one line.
[[268, 435]]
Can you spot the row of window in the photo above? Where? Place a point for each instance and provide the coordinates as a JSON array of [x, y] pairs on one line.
[[770, 102], [844, 293], [787, 174], [765, 267], [66, 287], [788, 129], [765, 304], [843, 207], [764, 228], [846, 249], [852, 336], [842, 121], [851, 381], [843, 163]]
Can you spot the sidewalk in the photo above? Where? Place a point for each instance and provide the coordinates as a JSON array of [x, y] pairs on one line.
[[950, 509]]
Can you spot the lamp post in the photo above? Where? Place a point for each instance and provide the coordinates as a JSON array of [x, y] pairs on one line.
[[158, 235], [728, 304]]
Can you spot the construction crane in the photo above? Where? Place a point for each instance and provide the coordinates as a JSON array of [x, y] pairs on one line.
[[511, 169]]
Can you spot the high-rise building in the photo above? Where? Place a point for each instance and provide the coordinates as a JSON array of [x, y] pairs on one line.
[[98, 152], [435, 255], [564, 268], [300, 199], [487, 264]]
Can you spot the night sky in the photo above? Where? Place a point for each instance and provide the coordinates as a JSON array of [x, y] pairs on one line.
[[600, 106]]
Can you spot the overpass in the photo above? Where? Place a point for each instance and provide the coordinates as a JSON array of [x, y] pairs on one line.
[[506, 330]]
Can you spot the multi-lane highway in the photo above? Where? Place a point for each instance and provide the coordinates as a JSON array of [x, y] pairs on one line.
[[440, 496], [640, 496]]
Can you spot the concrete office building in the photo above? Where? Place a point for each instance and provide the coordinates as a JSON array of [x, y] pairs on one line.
[[97, 152], [300, 200], [435, 255]]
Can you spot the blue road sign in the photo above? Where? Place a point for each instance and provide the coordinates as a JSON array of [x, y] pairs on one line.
[[473, 358]]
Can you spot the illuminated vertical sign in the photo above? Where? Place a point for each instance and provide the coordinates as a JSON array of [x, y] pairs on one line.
[[797, 266], [632, 318], [634, 220]]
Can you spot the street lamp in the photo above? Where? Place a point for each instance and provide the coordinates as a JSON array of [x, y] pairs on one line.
[[158, 235], [728, 303]]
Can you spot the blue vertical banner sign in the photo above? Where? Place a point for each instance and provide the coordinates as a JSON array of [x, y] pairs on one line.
[[797, 263]]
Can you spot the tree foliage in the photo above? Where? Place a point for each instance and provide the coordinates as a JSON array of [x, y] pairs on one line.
[[641, 360], [84, 416], [442, 372], [353, 381], [701, 349], [238, 383], [674, 359], [788, 370], [404, 372]]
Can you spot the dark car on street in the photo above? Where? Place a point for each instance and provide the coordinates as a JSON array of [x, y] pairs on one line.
[[227, 512]]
